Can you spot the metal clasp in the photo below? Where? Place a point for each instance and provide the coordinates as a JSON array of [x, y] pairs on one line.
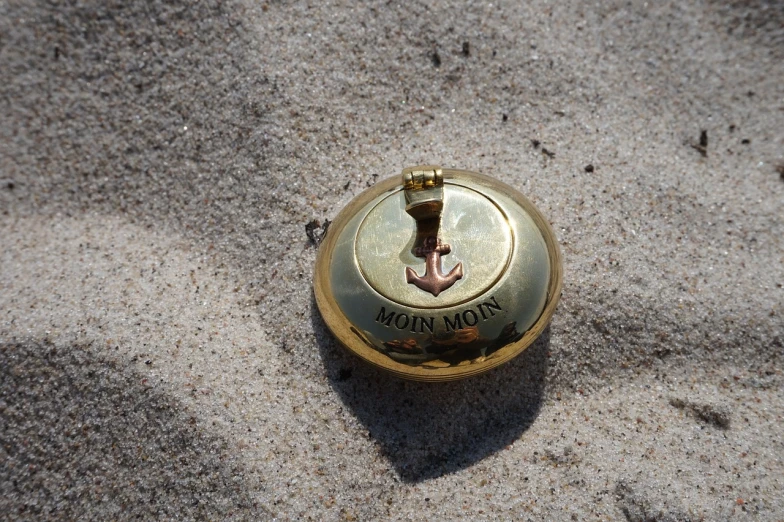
[[424, 186]]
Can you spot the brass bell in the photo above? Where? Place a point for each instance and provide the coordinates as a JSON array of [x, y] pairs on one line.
[[438, 275]]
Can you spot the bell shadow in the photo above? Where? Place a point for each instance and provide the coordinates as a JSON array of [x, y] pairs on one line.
[[427, 430]]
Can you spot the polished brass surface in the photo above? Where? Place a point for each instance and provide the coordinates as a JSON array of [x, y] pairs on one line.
[[471, 224], [447, 327], [424, 188], [422, 177]]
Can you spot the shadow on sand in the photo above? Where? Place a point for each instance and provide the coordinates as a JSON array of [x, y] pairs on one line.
[[427, 430], [83, 437]]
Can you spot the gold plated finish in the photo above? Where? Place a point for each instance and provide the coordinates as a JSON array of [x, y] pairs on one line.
[[424, 188], [440, 275], [472, 225]]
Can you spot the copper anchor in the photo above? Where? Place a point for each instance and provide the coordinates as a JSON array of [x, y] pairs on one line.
[[434, 280]]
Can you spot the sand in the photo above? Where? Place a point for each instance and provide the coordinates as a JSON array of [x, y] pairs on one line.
[[161, 355]]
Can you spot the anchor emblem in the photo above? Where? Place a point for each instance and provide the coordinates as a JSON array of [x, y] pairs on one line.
[[434, 281]]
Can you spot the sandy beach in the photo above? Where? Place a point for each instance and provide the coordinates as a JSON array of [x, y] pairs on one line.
[[161, 354]]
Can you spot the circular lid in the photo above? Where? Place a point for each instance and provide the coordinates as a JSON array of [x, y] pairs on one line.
[[439, 275], [477, 232]]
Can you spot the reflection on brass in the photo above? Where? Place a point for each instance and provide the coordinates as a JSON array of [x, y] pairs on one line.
[[434, 281], [366, 272], [473, 225], [466, 344]]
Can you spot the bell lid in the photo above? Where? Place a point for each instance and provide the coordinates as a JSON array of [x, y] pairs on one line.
[[438, 274]]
